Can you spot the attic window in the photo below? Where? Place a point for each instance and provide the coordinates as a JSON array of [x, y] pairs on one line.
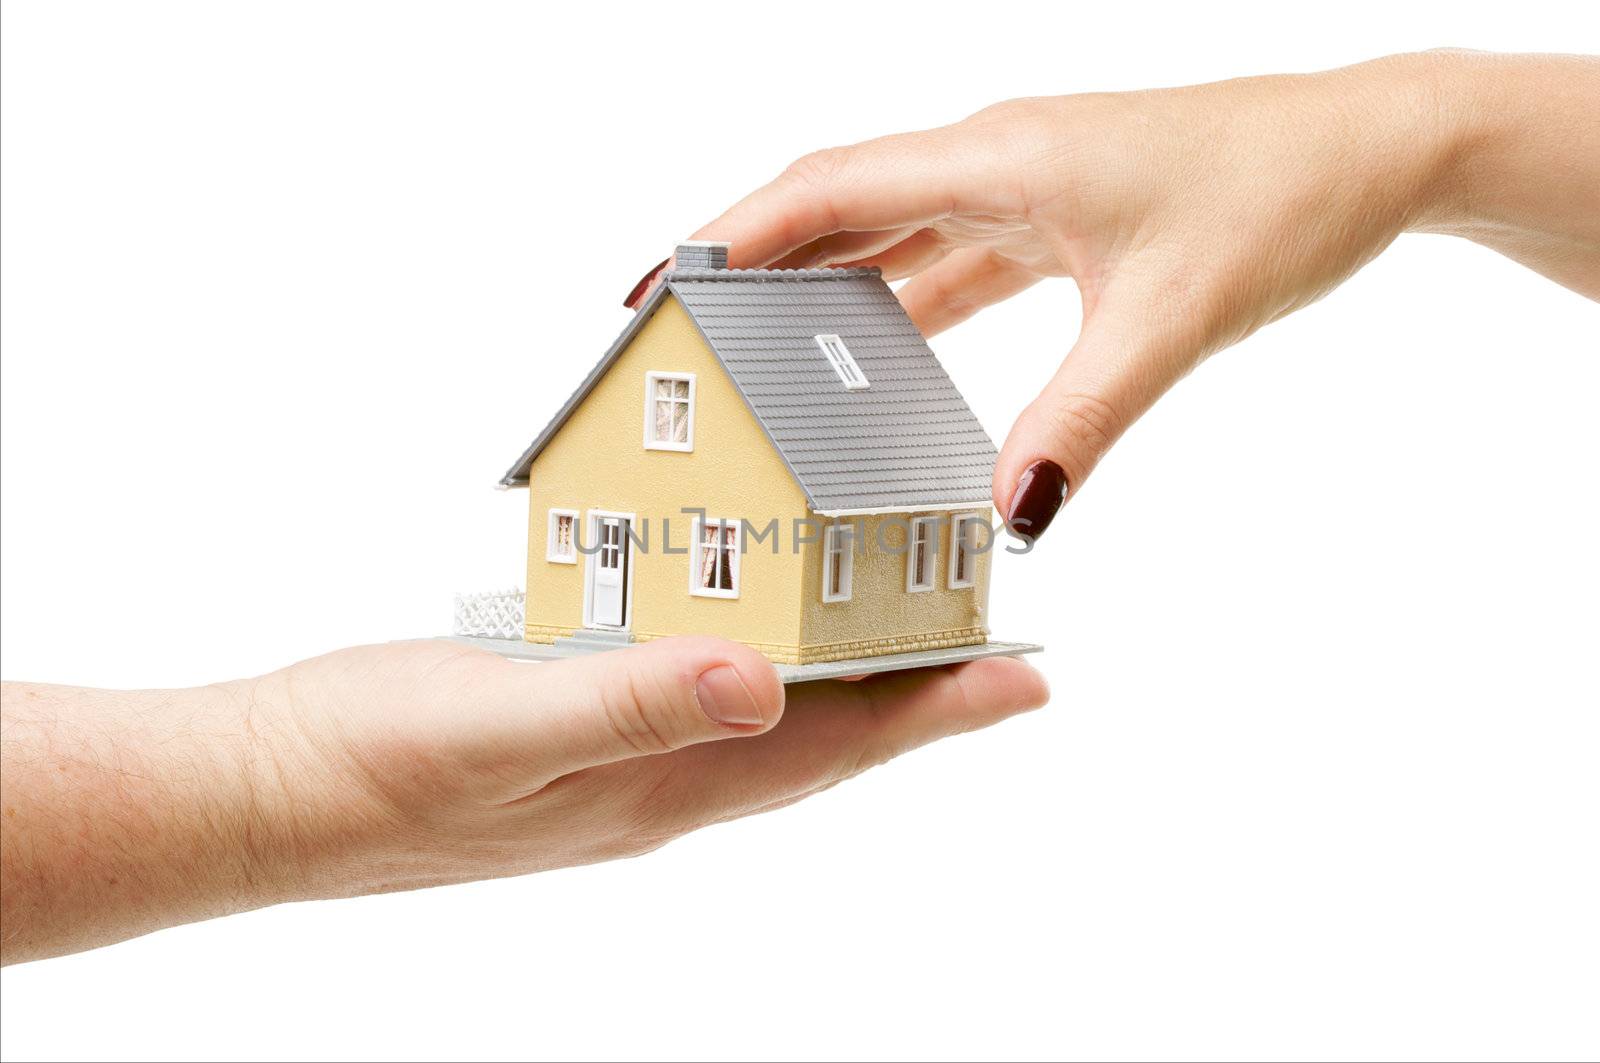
[[850, 374], [669, 411]]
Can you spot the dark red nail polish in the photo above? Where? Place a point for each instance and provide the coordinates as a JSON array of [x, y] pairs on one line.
[[642, 289], [1041, 489]]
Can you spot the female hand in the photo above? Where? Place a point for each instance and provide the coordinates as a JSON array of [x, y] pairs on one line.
[[422, 763], [1190, 217]]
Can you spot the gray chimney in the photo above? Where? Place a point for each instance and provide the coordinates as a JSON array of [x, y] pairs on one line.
[[701, 254]]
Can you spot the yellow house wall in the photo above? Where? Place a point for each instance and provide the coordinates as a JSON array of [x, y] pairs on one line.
[[881, 615], [598, 461]]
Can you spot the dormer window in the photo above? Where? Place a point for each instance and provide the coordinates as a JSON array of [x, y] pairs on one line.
[[850, 374], [669, 411]]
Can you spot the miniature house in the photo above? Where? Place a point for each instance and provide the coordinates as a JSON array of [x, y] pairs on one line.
[[772, 456]]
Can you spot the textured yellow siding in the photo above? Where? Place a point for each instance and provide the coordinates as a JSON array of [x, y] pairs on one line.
[[598, 461], [881, 615]]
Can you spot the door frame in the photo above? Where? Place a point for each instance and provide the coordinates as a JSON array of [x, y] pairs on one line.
[[591, 523]]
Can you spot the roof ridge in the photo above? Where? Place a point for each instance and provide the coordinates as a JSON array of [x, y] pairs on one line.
[[826, 274]]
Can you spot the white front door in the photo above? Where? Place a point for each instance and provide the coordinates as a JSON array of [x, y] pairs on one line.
[[609, 573]]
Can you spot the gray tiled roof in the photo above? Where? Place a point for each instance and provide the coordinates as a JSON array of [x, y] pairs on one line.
[[909, 441]]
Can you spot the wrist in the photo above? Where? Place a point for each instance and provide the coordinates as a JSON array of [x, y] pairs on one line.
[[231, 776], [1463, 134], [308, 827], [1500, 120], [1421, 156]]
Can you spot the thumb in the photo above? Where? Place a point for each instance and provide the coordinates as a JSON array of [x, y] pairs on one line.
[[1128, 354], [559, 717]]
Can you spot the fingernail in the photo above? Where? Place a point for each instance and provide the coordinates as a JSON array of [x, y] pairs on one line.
[[725, 699], [1041, 489], [642, 289]]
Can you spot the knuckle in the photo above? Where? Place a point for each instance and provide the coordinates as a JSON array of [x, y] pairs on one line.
[[1025, 124], [871, 746], [1084, 425], [956, 298], [1021, 108], [871, 753], [625, 844], [627, 705], [819, 169]]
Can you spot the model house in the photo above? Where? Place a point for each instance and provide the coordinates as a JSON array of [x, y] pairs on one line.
[[772, 456]]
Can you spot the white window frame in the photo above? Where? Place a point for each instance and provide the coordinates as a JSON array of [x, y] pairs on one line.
[[913, 585], [843, 362], [838, 550], [551, 539], [650, 441], [958, 546], [697, 546]]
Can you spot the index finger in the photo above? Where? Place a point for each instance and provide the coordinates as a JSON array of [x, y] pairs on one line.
[[908, 179]]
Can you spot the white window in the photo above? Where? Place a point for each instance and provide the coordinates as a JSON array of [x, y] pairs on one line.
[[669, 411], [714, 561], [609, 553], [838, 562], [560, 544], [965, 545], [922, 551], [850, 374]]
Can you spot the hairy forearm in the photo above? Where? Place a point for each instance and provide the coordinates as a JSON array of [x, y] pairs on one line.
[[125, 812], [418, 764], [1525, 179]]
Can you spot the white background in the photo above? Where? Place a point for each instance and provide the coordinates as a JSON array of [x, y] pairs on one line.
[[286, 287]]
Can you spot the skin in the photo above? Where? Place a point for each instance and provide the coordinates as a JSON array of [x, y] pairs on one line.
[[1188, 218], [1191, 217], [420, 764]]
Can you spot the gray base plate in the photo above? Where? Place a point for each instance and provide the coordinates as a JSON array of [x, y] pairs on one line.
[[789, 673]]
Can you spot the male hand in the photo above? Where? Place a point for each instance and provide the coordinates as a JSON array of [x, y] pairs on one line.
[[421, 763]]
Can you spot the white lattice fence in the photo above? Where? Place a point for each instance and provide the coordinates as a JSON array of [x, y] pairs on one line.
[[495, 615]]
